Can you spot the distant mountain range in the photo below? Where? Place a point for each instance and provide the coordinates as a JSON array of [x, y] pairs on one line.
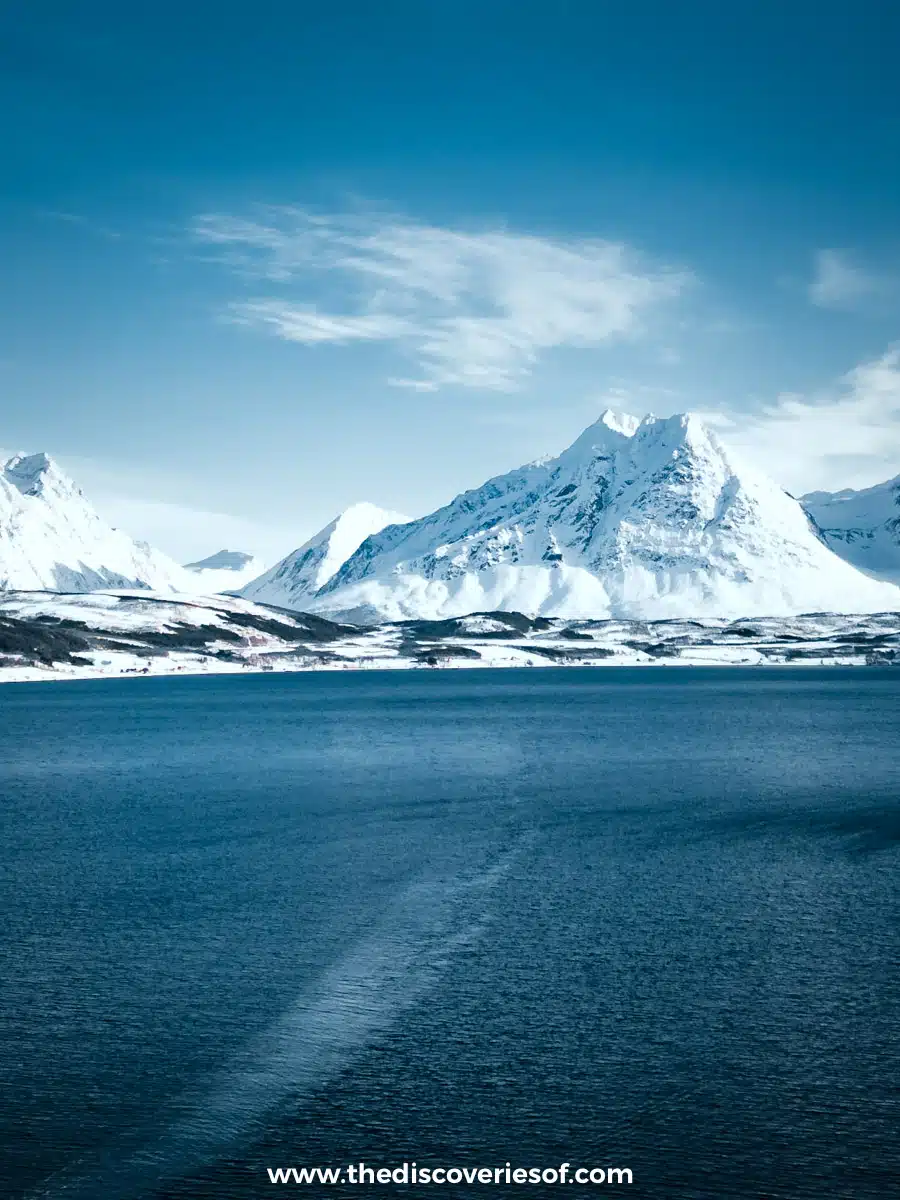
[[637, 520]]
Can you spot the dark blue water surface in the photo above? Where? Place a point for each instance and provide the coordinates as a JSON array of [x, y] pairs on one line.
[[644, 919]]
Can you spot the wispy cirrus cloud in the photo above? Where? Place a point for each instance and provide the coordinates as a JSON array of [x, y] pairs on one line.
[[845, 436], [471, 309], [87, 224], [839, 282], [296, 323]]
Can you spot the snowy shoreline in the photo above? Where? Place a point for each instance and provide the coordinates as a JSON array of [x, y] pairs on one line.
[[53, 676], [47, 637]]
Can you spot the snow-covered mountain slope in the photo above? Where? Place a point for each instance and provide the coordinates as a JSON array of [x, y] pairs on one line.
[[225, 571], [863, 527], [293, 582], [50, 537], [636, 519]]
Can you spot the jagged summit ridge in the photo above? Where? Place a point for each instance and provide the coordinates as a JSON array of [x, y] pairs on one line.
[[637, 518]]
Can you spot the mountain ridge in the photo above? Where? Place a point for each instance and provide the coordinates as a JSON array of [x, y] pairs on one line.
[[638, 518]]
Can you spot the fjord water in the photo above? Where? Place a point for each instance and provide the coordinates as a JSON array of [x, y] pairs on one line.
[[632, 918]]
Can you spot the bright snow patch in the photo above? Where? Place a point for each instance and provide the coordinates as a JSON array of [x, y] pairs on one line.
[[293, 582]]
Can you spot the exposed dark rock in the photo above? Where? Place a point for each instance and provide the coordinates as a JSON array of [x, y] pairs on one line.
[[883, 658], [656, 649], [568, 654], [432, 655], [33, 642], [455, 627], [304, 627]]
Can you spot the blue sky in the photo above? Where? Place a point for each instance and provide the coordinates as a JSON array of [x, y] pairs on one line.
[[262, 261]]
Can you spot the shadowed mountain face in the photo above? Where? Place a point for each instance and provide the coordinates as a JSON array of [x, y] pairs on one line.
[[863, 527]]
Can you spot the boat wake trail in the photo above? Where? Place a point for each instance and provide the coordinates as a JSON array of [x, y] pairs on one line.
[[353, 1001]]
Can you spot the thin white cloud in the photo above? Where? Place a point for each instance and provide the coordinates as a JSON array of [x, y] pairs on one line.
[[298, 324], [85, 223], [840, 283], [848, 436], [472, 309]]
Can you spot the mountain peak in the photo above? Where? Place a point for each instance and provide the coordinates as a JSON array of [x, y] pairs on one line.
[[610, 432], [614, 431], [619, 422], [31, 474], [684, 425], [52, 539], [222, 560], [679, 434], [293, 582], [363, 515]]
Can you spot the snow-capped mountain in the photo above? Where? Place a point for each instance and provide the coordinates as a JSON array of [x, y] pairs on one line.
[[295, 581], [649, 519], [225, 571], [51, 538], [863, 527]]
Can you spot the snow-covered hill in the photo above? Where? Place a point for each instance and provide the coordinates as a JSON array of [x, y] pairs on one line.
[[649, 518], [863, 527], [225, 571], [294, 582], [50, 537], [46, 636]]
